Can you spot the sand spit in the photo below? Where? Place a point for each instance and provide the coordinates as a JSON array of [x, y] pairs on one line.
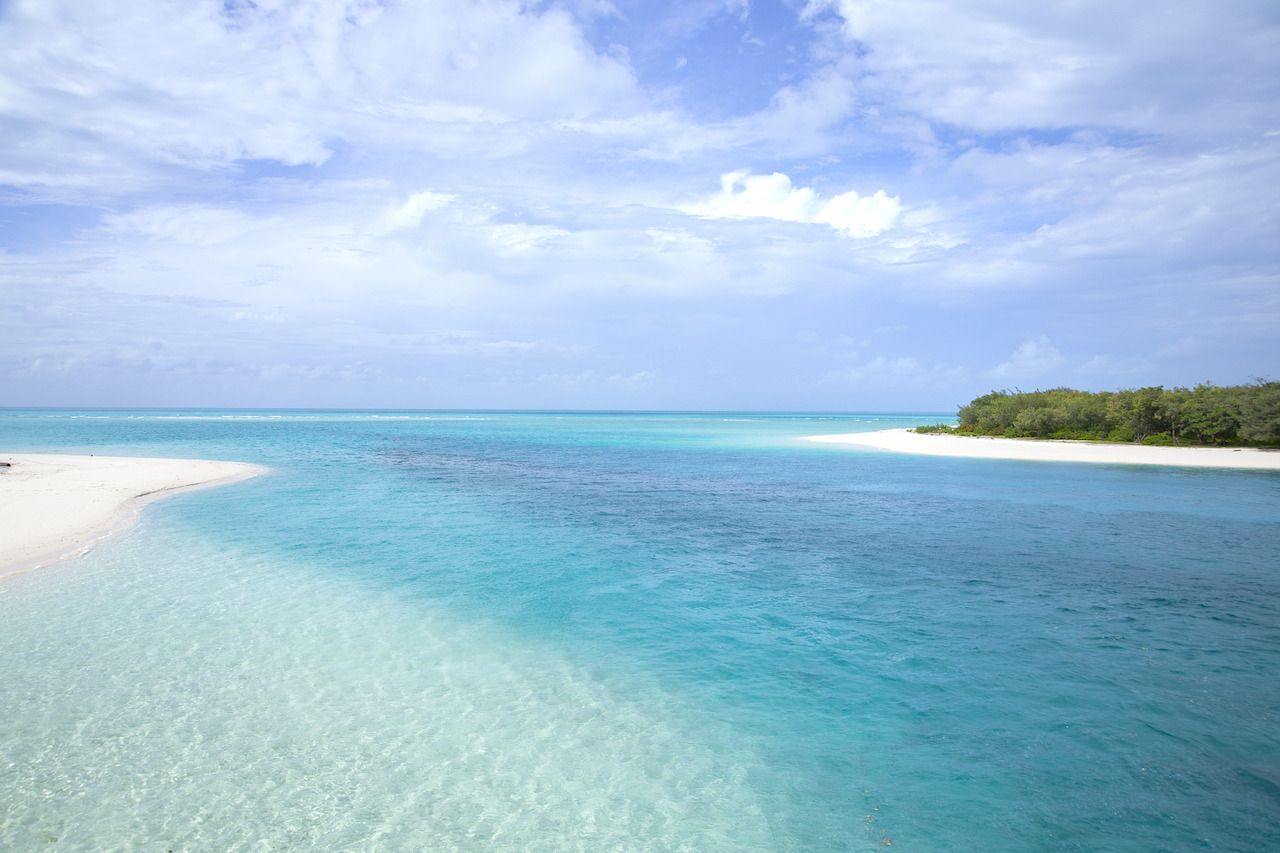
[[1032, 450], [55, 506]]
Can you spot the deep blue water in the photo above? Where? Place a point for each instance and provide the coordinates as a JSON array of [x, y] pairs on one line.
[[643, 631]]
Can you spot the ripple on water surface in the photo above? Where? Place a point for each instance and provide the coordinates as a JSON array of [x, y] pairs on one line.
[[222, 702]]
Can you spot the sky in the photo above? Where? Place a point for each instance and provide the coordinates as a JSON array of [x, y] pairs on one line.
[[831, 205]]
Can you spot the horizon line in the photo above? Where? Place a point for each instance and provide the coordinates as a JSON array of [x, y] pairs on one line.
[[447, 410]]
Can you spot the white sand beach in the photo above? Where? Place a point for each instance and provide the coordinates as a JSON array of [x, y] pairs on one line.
[[1033, 450], [54, 506]]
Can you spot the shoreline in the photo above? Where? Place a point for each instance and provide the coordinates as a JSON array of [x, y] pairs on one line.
[[1038, 450], [60, 506]]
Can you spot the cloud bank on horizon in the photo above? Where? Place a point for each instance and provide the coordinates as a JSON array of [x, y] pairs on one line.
[[838, 204]]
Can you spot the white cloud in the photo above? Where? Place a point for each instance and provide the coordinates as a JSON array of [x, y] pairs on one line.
[[468, 342], [1034, 358], [189, 224], [1108, 367], [410, 213], [799, 116], [880, 370], [290, 177], [1097, 212], [899, 372], [595, 378], [802, 119], [517, 238], [97, 96], [746, 196], [265, 315], [1011, 65], [860, 216]]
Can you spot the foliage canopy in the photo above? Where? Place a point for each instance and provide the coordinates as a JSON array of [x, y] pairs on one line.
[[1241, 415]]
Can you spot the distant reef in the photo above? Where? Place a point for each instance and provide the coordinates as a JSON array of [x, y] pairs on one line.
[[1206, 415]]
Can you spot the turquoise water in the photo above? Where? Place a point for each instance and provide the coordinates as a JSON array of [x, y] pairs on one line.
[[617, 631]]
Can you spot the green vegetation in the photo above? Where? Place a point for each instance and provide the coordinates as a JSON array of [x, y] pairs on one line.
[[1241, 415]]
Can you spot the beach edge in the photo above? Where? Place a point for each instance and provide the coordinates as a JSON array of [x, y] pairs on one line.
[[904, 440], [78, 536]]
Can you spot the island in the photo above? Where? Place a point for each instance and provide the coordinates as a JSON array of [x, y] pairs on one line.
[[1207, 426], [1204, 416]]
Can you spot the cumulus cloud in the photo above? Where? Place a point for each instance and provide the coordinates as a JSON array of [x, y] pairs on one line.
[[746, 196], [410, 213], [1034, 357]]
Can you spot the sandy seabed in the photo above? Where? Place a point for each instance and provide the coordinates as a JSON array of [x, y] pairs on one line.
[[1034, 450], [54, 506]]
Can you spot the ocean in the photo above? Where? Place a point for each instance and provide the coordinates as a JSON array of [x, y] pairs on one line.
[[659, 631]]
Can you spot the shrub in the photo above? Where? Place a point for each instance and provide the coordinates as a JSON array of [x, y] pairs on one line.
[[1206, 414]]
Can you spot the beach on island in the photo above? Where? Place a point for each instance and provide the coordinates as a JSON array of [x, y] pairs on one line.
[[55, 506], [1039, 450]]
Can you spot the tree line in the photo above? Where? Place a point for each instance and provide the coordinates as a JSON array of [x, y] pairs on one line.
[[1240, 415]]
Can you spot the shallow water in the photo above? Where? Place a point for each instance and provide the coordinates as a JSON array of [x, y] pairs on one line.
[[567, 631]]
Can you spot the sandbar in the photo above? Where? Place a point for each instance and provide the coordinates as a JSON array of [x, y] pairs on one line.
[[55, 506], [1036, 450]]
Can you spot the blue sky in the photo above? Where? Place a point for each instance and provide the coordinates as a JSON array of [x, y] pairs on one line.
[[831, 205]]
